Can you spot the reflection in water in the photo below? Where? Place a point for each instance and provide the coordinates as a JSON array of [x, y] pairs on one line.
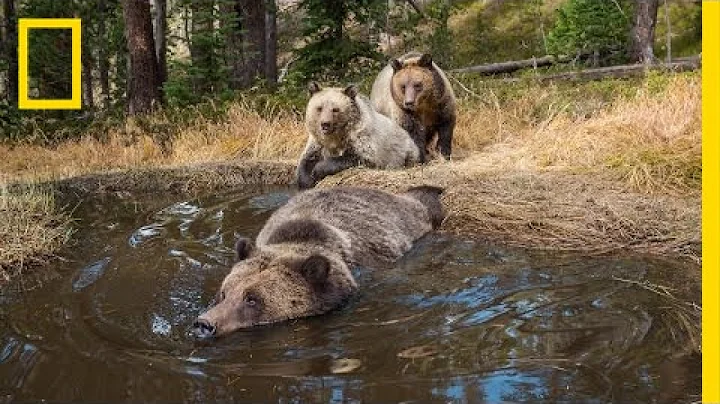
[[454, 320]]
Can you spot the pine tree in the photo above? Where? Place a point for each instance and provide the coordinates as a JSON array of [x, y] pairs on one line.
[[331, 49]]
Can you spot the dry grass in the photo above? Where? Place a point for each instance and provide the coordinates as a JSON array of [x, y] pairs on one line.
[[245, 134], [30, 229], [650, 141]]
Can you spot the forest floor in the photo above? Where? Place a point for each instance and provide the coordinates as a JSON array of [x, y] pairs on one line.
[[595, 167]]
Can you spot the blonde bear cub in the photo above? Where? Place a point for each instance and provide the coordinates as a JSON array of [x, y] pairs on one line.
[[345, 131]]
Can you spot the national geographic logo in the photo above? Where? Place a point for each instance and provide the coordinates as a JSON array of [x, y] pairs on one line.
[[24, 27]]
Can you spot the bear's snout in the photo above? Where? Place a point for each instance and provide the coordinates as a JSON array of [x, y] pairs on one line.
[[325, 126], [203, 329]]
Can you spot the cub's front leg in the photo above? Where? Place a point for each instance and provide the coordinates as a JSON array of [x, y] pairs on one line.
[[308, 161], [333, 165]]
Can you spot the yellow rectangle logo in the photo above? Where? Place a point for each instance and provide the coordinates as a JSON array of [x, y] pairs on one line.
[[24, 26]]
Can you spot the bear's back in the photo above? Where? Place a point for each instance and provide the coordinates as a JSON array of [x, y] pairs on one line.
[[381, 227], [383, 141]]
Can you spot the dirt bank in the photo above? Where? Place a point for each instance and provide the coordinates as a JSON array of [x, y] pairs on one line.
[[181, 180]]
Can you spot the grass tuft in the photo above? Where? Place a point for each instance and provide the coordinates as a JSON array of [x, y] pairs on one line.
[[30, 229]]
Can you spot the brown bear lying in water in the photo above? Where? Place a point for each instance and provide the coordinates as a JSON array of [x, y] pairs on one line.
[[300, 265]]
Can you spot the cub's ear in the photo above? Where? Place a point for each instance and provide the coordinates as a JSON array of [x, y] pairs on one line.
[[243, 248], [351, 91], [396, 64], [315, 269], [425, 60], [314, 87]]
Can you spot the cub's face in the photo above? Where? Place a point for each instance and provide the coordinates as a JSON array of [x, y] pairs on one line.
[[265, 289], [412, 82], [330, 115]]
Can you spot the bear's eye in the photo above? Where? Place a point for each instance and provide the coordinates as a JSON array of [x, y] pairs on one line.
[[220, 296], [319, 109], [336, 110], [402, 87], [418, 86], [251, 300]]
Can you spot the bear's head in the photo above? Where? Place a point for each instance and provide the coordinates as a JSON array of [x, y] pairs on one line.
[[331, 114], [279, 284], [412, 81]]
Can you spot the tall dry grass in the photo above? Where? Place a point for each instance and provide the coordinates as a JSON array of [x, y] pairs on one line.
[[30, 228], [650, 140], [244, 134]]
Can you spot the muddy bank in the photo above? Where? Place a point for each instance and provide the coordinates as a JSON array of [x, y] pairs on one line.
[[181, 180]]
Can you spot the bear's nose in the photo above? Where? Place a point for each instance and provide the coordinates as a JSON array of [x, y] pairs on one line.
[[203, 329], [409, 104], [325, 125]]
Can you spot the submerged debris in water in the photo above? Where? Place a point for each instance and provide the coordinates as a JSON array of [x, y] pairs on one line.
[[421, 351], [345, 365]]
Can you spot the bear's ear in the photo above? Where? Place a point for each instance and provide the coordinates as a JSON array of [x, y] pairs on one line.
[[351, 91], [243, 247], [315, 269], [396, 64], [314, 87], [425, 60]]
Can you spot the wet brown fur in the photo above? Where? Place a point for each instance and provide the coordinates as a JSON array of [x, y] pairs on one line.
[[301, 262]]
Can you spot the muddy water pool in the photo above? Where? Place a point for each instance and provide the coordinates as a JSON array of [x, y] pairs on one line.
[[455, 320]]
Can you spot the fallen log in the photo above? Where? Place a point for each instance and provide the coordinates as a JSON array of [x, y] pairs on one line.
[[635, 70], [511, 66]]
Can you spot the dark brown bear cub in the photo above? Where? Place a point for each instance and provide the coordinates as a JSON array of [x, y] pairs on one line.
[[300, 265], [414, 92]]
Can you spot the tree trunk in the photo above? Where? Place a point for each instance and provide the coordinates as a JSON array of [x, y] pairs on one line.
[[252, 22], [11, 49], [161, 38], [87, 70], [633, 70], [271, 71], [103, 59], [668, 34], [143, 81], [642, 34]]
